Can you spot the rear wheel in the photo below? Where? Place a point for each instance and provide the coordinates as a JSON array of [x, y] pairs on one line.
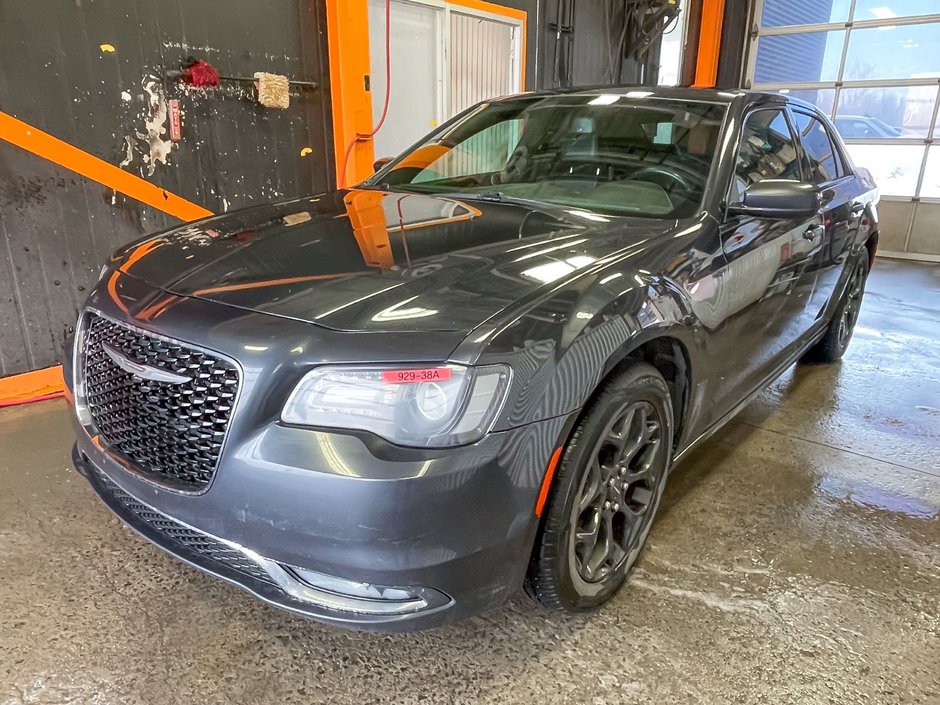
[[605, 494], [835, 342]]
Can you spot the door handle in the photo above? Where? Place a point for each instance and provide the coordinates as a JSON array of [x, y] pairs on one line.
[[814, 231], [857, 207]]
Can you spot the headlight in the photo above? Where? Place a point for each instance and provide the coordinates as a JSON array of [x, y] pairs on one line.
[[413, 406]]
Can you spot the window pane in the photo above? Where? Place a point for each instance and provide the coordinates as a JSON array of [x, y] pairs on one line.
[[903, 51], [894, 166], [885, 112], [670, 53], [767, 152], [822, 98], [818, 148], [818, 56], [416, 73], [778, 13], [886, 9], [485, 152], [931, 187]]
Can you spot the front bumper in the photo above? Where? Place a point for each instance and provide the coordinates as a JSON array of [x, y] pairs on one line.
[[264, 578], [466, 551], [453, 528]]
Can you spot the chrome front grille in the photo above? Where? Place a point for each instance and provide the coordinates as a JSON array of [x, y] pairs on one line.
[[170, 431]]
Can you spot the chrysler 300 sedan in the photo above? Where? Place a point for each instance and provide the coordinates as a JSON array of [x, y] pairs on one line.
[[394, 405]]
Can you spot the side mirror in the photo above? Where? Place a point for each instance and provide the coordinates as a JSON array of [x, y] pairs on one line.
[[779, 198], [380, 162]]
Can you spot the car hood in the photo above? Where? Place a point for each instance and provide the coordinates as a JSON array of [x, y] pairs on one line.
[[368, 260]]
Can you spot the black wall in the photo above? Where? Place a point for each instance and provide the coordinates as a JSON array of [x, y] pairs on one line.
[[57, 227], [586, 43]]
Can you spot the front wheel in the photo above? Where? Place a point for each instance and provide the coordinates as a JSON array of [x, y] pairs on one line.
[[605, 494], [835, 342]]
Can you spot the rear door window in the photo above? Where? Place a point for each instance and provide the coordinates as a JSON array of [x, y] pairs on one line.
[[821, 159]]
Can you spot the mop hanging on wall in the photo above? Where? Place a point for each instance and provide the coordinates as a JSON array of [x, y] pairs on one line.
[[200, 73], [273, 90]]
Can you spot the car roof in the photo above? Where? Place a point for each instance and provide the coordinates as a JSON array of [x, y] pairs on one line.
[[710, 95], [706, 95]]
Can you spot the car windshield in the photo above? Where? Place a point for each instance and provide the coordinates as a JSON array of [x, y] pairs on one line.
[[607, 152]]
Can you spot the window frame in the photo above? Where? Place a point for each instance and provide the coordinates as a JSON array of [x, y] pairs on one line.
[[843, 166], [726, 201]]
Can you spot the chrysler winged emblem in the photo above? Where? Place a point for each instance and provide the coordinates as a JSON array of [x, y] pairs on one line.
[[154, 374]]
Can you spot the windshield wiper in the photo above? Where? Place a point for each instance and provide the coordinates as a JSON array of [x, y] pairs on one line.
[[494, 196], [491, 196]]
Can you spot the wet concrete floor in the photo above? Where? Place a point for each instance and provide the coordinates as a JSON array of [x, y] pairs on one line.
[[796, 560]]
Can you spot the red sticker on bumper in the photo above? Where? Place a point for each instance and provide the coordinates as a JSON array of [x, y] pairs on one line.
[[415, 376]]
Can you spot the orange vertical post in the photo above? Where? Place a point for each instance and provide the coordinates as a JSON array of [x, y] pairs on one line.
[[347, 24], [709, 44]]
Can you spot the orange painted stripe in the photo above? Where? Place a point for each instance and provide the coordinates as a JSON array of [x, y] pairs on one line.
[[32, 386], [709, 44], [74, 159], [48, 383], [547, 482]]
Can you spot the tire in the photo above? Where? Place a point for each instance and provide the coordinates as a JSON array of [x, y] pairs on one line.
[[832, 346], [566, 572]]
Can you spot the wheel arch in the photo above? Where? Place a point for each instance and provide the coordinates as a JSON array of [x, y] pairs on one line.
[[670, 357]]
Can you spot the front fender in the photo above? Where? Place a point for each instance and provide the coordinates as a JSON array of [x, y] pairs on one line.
[[562, 349]]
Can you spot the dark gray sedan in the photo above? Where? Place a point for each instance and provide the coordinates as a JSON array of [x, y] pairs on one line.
[[395, 405]]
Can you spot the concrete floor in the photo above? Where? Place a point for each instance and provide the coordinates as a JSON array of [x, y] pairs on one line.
[[796, 560]]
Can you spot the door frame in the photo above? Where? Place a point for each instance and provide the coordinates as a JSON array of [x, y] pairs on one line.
[[515, 19], [350, 67]]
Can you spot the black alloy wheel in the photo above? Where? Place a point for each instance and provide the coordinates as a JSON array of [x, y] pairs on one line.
[[835, 340], [616, 492], [607, 489], [852, 305]]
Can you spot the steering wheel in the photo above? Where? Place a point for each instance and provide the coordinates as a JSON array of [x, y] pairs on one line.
[[667, 179]]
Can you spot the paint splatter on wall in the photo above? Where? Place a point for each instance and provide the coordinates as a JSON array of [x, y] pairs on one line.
[[114, 105], [152, 142]]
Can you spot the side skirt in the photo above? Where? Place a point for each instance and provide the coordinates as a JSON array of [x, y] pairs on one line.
[[777, 372]]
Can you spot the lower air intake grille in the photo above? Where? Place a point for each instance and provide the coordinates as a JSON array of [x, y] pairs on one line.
[[181, 535], [171, 431]]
